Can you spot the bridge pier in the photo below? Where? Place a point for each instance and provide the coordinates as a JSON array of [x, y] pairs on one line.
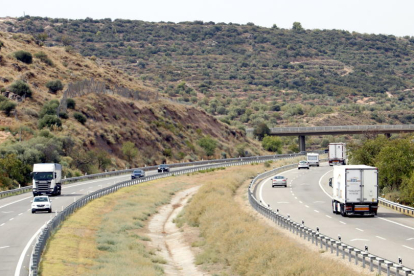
[[302, 145]]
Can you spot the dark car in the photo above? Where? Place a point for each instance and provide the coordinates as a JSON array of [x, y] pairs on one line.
[[163, 168], [137, 174]]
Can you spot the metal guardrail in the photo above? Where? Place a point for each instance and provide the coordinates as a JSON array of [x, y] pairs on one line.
[[396, 206], [317, 238], [52, 226], [127, 171]]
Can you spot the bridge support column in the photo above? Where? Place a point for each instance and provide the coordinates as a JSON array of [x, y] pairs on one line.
[[388, 135], [302, 145]]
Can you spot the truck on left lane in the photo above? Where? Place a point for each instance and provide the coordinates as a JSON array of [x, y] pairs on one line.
[[47, 178]]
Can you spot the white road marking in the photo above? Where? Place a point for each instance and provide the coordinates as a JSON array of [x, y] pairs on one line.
[[400, 224], [7, 212], [304, 184], [328, 216], [342, 222], [359, 229], [316, 211], [320, 184], [72, 193], [4, 247], [11, 219], [81, 190], [280, 202], [300, 201], [359, 240], [410, 239], [261, 189], [318, 202], [306, 206], [381, 238], [408, 247], [296, 197], [20, 214], [14, 202], [2, 224]]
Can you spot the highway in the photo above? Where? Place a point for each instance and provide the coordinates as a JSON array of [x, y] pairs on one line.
[[19, 227], [307, 198]]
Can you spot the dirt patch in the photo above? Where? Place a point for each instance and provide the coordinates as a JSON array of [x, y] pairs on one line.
[[242, 200], [170, 242]]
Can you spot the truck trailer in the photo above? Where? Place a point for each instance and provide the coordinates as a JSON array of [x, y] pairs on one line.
[[337, 154], [313, 159], [47, 178], [355, 190]]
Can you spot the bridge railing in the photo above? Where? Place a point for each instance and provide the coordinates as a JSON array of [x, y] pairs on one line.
[[343, 128], [335, 246], [52, 225]]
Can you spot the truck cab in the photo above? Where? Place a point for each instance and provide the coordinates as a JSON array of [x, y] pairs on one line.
[[47, 178]]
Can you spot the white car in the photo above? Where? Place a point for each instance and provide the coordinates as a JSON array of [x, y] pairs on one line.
[[279, 180], [41, 203], [303, 165]]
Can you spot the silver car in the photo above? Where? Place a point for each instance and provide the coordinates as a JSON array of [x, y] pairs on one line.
[[279, 180], [41, 203], [303, 165]]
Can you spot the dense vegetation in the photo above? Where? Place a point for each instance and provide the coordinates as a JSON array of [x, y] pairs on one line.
[[247, 74], [395, 162]]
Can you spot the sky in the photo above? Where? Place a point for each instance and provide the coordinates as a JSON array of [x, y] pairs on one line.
[[363, 16]]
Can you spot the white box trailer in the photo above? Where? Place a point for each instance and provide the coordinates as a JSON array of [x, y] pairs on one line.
[[313, 159], [47, 178], [355, 190], [337, 154]]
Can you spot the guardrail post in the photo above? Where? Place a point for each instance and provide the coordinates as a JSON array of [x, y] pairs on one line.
[[350, 249], [380, 261], [388, 264], [371, 262], [357, 251], [364, 254]]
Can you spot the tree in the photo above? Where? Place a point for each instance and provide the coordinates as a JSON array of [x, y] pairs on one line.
[[208, 144], [70, 103], [80, 117], [54, 86], [21, 88], [7, 107], [24, 56], [129, 150], [103, 159], [272, 143], [297, 26], [261, 130]]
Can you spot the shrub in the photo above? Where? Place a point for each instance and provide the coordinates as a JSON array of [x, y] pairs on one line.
[[7, 107], [44, 58], [1, 44], [261, 130], [24, 56], [272, 143], [54, 86], [70, 103], [79, 117], [49, 121], [63, 115], [49, 108], [208, 144], [21, 88]]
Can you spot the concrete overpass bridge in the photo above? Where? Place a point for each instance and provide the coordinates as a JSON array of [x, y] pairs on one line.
[[302, 132]]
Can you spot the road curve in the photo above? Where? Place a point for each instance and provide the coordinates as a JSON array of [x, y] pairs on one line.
[[307, 198]]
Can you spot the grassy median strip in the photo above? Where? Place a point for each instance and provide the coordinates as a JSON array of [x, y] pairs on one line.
[[234, 240]]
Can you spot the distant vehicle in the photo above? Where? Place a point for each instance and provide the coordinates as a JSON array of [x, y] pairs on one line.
[[47, 178], [303, 165], [137, 174], [337, 154], [163, 168], [41, 203], [279, 180], [313, 159], [326, 150], [355, 190]]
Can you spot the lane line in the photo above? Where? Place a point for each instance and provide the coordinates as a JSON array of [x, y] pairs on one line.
[[262, 185], [359, 229], [410, 239], [296, 197], [20, 214], [342, 222], [320, 183], [300, 202], [4, 247], [381, 238], [408, 247], [11, 219], [2, 224], [306, 206], [316, 211], [359, 240], [400, 224], [14, 202], [328, 216]]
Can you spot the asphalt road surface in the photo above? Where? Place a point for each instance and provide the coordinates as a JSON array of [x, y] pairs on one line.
[[389, 235]]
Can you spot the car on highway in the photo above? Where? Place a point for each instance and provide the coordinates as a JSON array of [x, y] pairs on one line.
[[137, 174], [41, 203], [303, 165], [279, 180], [163, 168]]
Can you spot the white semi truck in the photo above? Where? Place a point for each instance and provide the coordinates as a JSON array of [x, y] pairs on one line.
[[337, 154], [355, 190], [47, 178], [313, 159]]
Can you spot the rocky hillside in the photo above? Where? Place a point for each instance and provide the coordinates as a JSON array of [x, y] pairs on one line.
[[109, 119]]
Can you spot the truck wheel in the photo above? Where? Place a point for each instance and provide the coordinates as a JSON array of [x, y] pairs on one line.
[[343, 211], [33, 211], [50, 210]]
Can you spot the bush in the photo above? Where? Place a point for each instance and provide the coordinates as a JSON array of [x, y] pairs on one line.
[[21, 88], [261, 130], [24, 56], [54, 86], [63, 115], [70, 103], [208, 144], [49, 108], [7, 107], [44, 58], [272, 143], [79, 117], [49, 121]]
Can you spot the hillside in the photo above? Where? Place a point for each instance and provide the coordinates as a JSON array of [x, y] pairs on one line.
[[109, 120], [245, 74]]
